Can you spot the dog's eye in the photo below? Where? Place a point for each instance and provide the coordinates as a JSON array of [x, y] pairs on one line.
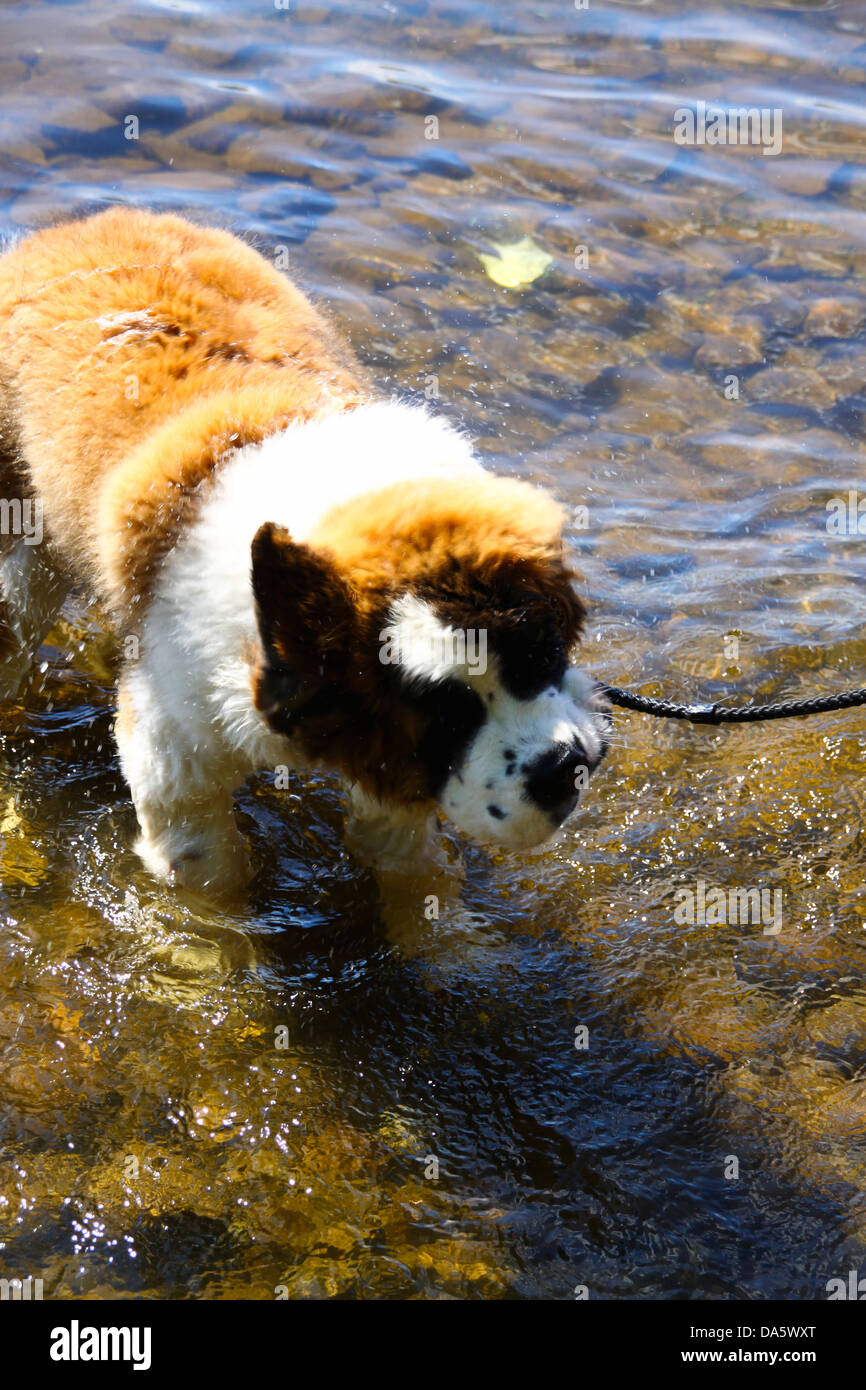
[[530, 661], [455, 713]]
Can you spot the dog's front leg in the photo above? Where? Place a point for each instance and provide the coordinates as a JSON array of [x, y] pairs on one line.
[[194, 844], [418, 883], [392, 839], [189, 837]]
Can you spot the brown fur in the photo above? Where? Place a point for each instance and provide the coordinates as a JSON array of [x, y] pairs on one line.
[[135, 349]]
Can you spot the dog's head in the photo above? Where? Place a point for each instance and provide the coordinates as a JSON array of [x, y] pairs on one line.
[[420, 644]]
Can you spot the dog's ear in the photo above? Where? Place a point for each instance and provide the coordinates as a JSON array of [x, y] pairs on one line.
[[307, 623]]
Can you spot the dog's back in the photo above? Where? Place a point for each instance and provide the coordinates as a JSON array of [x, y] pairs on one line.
[[132, 347]]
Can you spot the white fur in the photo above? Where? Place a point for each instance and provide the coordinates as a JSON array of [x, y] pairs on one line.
[[528, 728], [426, 648]]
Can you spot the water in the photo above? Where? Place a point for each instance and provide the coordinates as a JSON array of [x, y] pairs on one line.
[[160, 1136]]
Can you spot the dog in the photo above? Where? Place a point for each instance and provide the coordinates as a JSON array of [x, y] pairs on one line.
[[300, 574]]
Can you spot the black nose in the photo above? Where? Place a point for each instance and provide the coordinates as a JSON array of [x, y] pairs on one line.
[[553, 781]]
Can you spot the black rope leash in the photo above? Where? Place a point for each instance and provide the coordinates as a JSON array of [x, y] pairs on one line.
[[733, 714]]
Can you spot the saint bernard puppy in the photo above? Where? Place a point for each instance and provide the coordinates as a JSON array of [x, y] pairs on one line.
[[301, 574]]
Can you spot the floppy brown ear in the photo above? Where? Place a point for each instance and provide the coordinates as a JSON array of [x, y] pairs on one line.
[[306, 618]]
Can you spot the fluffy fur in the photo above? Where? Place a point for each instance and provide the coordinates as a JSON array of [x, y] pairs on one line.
[[310, 573]]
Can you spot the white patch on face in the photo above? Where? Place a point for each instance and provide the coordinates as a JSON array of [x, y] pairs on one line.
[[487, 796], [426, 648]]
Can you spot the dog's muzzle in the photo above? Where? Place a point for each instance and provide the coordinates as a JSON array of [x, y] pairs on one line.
[[553, 780]]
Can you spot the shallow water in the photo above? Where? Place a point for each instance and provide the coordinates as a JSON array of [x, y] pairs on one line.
[[156, 1139]]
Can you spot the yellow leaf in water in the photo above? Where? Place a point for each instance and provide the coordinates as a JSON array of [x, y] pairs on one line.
[[11, 819], [520, 263]]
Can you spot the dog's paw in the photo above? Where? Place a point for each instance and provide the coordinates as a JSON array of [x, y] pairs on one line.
[[223, 870]]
